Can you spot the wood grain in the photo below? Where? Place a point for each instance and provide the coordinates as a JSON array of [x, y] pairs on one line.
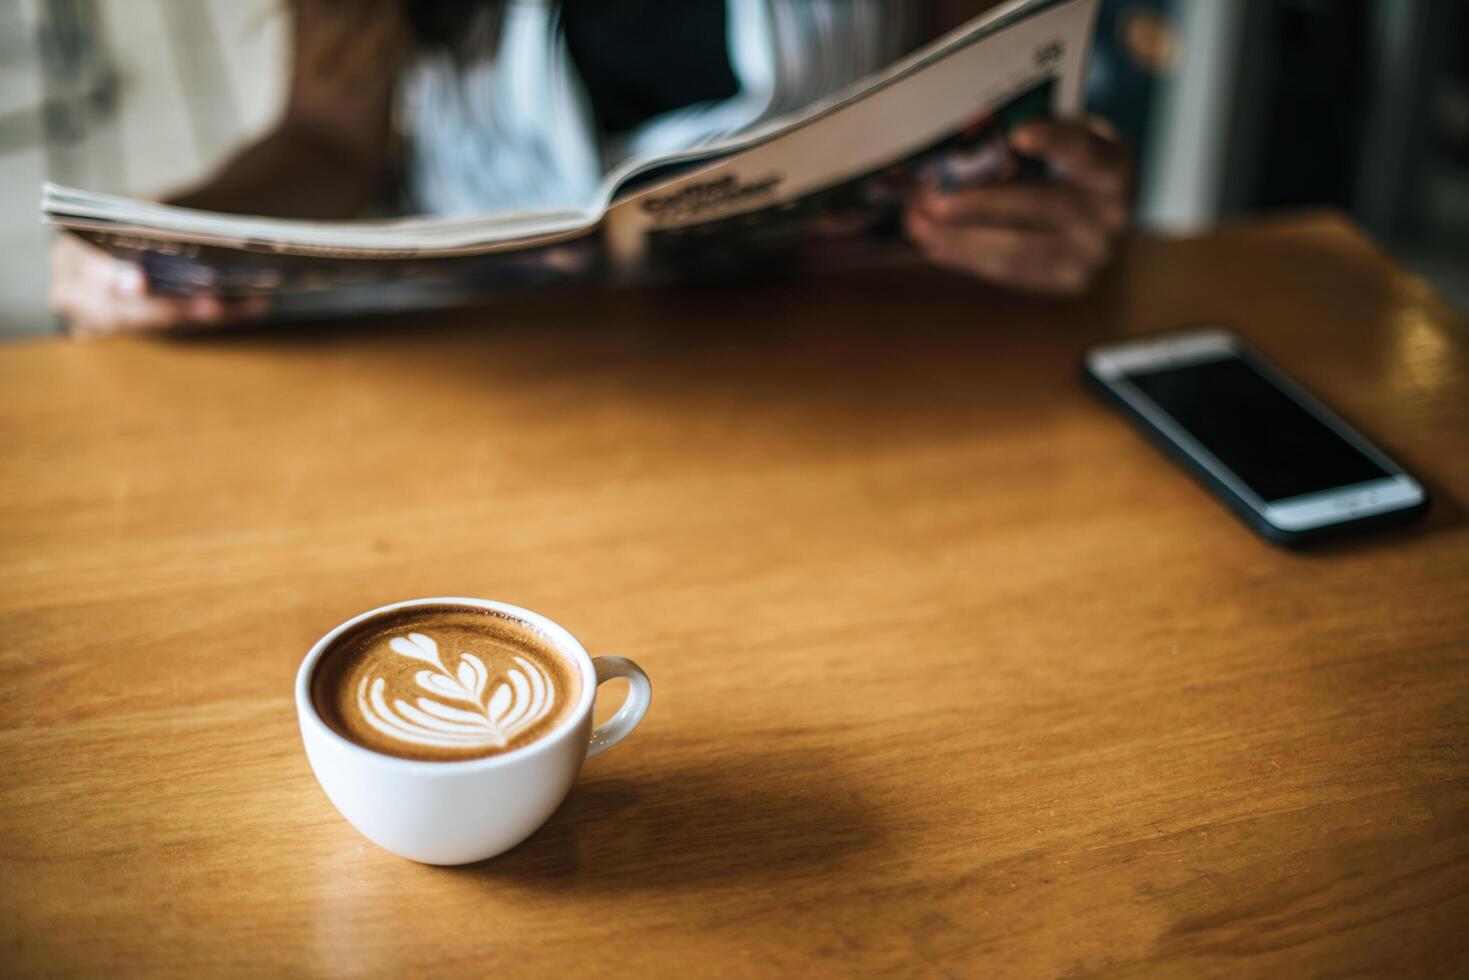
[[954, 676]]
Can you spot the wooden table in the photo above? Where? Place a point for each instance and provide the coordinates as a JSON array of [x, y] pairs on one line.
[[954, 675]]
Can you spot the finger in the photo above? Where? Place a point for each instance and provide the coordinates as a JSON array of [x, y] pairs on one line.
[[1086, 152], [1112, 211], [247, 308], [1014, 205], [203, 309], [144, 314], [150, 314], [1028, 260], [156, 314], [1029, 206], [208, 310], [80, 271], [125, 280], [97, 294], [212, 311], [1075, 213]]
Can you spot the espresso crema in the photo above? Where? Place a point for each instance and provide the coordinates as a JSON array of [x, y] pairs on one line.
[[444, 683]]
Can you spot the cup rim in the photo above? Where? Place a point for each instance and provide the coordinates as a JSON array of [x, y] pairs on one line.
[[559, 636]]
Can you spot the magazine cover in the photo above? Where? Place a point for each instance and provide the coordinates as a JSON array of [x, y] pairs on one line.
[[826, 181]]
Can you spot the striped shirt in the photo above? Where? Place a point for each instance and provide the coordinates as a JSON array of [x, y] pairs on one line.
[[513, 130]]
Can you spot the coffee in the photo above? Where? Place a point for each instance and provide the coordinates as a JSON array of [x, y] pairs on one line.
[[444, 683]]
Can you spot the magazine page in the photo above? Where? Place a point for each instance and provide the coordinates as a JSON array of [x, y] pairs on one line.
[[397, 238], [420, 262], [844, 170]]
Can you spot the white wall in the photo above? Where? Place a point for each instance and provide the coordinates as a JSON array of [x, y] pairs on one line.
[[195, 78], [1190, 129], [22, 242]]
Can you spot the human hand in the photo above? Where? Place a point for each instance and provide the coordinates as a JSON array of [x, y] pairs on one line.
[[98, 294], [1051, 238]]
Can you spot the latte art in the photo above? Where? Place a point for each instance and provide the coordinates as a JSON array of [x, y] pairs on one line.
[[524, 698], [444, 683]]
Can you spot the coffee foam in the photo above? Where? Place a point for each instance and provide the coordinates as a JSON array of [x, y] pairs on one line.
[[443, 683]]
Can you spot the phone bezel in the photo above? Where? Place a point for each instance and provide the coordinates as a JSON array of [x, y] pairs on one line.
[[1110, 364]]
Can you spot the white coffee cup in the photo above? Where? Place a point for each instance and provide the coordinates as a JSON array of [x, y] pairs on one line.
[[458, 812]]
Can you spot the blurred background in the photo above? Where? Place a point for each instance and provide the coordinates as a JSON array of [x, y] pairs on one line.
[[1235, 107]]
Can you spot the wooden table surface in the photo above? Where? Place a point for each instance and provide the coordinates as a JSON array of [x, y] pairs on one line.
[[953, 674]]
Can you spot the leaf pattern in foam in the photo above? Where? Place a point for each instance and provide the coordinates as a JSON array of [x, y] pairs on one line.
[[419, 647], [498, 704], [473, 675], [517, 703], [445, 686]]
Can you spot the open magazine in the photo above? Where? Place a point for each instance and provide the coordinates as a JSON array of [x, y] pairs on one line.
[[795, 189]]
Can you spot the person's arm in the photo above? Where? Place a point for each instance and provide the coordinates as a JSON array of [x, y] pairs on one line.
[[326, 158], [328, 154]]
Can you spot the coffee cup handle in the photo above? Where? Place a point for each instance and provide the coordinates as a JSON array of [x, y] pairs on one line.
[[634, 706]]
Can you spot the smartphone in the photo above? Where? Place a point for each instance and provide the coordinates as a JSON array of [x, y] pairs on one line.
[[1276, 456]]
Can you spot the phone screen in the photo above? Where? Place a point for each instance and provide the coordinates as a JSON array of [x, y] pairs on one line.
[[1270, 441]]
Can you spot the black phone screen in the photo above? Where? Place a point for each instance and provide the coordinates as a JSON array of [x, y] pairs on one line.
[[1272, 443]]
